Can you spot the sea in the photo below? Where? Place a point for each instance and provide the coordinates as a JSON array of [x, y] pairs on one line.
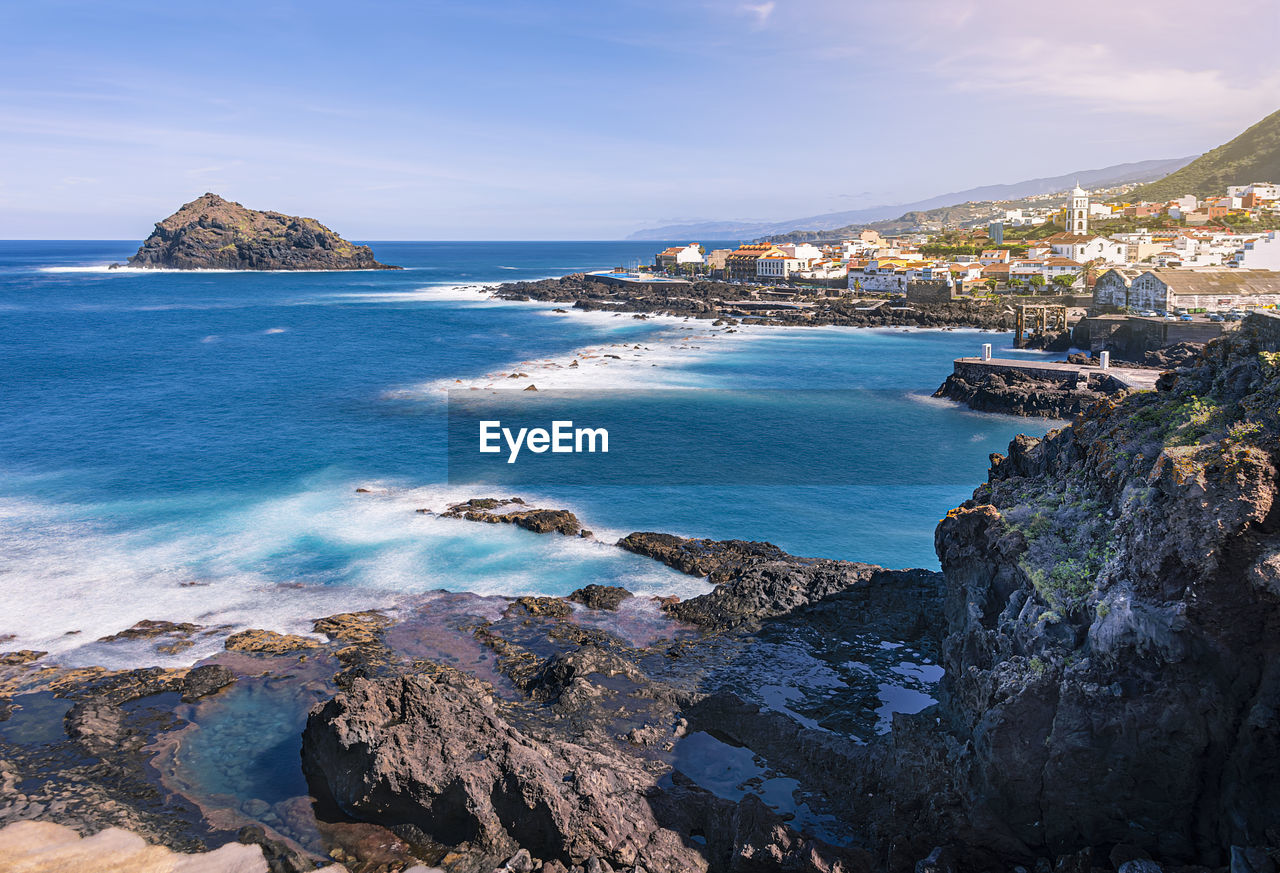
[[245, 449]]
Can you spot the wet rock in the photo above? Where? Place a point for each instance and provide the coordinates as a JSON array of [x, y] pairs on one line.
[[536, 520], [148, 629], [115, 686], [279, 856], [205, 680], [23, 656], [600, 596], [754, 581], [438, 752], [353, 627], [552, 607], [567, 671], [96, 726], [265, 642]]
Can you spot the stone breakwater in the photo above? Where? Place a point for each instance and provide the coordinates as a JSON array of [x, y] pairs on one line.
[[1095, 668], [721, 300]]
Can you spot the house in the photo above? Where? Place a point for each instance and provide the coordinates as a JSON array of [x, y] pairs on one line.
[[997, 271], [994, 256], [679, 255], [741, 262], [1213, 290]]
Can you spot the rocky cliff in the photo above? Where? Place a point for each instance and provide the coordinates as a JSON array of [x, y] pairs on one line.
[[1113, 670], [210, 233]]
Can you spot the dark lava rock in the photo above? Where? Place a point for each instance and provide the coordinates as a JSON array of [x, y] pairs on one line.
[[438, 753], [537, 520], [754, 581], [1110, 654], [1017, 393], [703, 298], [148, 629], [96, 726], [205, 680], [717, 559], [552, 607], [279, 856], [600, 596], [1174, 356], [213, 233], [265, 642], [22, 656]]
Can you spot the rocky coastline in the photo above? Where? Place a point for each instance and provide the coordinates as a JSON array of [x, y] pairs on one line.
[[710, 299], [1097, 668], [211, 233]]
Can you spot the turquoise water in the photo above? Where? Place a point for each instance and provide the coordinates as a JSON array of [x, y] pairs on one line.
[[187, 446]]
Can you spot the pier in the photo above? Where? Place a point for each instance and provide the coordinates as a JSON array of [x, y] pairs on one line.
[[1070, 375]]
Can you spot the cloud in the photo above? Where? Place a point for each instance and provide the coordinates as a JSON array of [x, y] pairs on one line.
[[760, 11]]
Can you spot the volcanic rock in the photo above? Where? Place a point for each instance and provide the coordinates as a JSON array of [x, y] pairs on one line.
[[211, 233]]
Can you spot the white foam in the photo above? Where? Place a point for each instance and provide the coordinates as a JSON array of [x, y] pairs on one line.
[[657, 360], [68, 580]]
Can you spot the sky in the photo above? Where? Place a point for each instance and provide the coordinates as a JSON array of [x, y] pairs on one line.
[[506, 119]]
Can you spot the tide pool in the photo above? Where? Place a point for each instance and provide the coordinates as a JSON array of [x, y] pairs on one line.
[[187, 446]]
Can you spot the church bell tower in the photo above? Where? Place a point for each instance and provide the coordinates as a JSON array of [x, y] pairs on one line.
[[1078, 211]]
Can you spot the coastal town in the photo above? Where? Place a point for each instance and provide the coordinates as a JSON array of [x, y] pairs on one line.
[[1130, 276], [1067, 249]]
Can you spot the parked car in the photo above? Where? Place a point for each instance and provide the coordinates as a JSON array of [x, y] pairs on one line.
[[1187, 318], [1216, 317], [1148, 313]]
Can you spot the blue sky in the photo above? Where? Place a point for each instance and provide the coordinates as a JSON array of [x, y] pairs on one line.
[[587, 120]]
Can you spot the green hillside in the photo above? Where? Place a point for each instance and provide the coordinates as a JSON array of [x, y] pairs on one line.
[[1253, 156]]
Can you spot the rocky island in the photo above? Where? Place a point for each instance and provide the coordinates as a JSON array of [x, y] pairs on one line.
[[1097, 667], [211, 233]]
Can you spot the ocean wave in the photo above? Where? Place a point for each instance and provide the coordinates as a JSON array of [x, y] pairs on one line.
[[657, 360], [276, 563]]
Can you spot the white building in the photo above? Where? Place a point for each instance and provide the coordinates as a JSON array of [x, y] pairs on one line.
[[1085, 247], [806, 253], [776, 264], [1260, 254], [676, 255]]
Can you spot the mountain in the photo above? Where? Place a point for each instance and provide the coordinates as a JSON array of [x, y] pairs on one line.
[[211, 233], [1119, 174], [1253, 156]]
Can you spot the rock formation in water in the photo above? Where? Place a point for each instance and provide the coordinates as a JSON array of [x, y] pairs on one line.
[[210, 233], [1015, 393]]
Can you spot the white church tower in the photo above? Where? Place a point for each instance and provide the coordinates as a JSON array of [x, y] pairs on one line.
[[1078, 211]]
